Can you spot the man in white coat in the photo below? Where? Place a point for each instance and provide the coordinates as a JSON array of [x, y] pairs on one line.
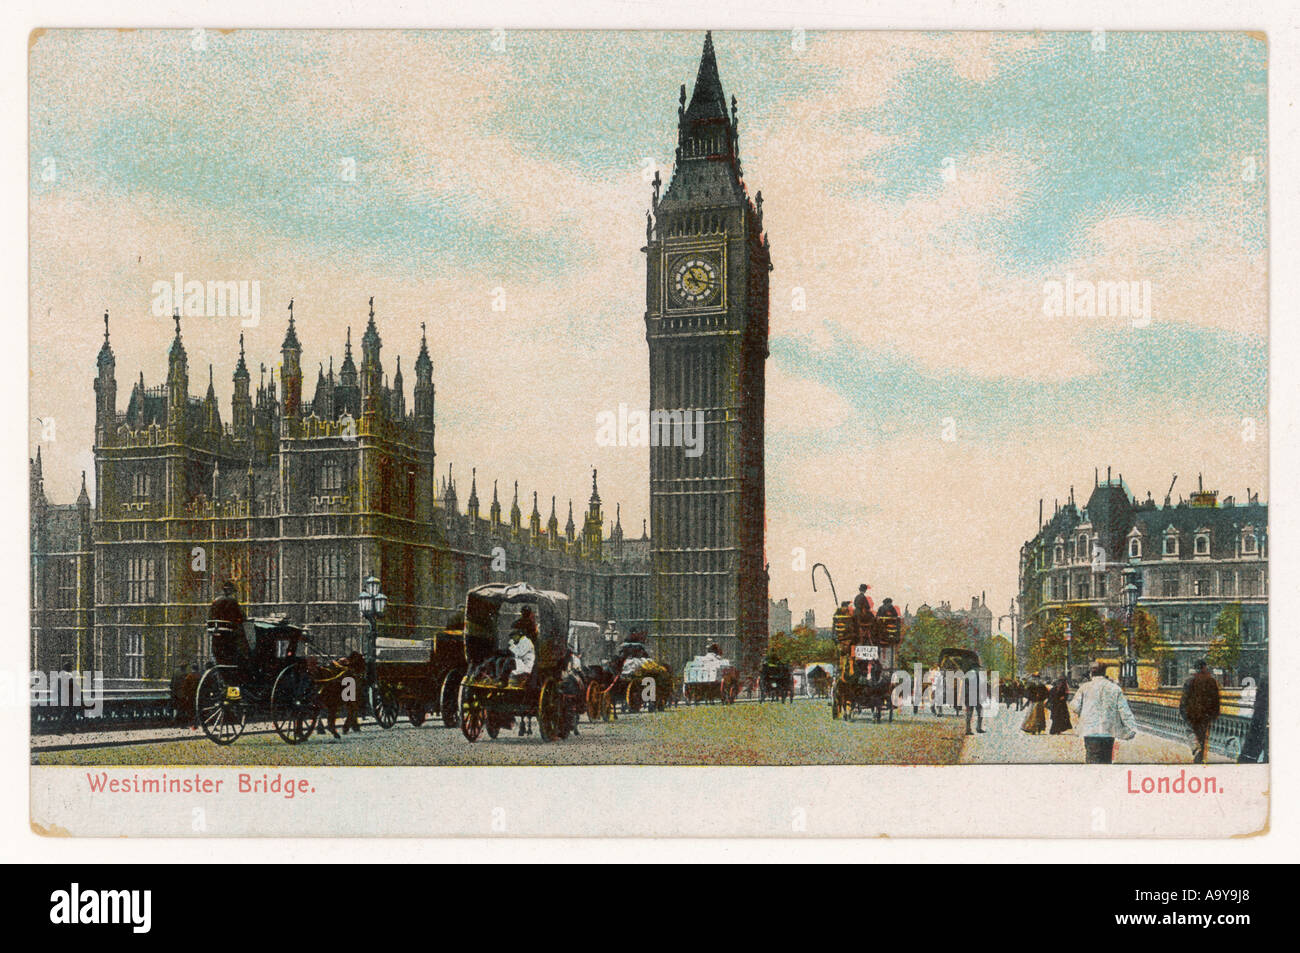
[[1103, 715]]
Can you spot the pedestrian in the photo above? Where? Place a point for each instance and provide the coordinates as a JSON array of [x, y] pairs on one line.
[[1255, 747], [1036, 696], [1200, 706], [1058, 704], [1104, 715], [975, 681]]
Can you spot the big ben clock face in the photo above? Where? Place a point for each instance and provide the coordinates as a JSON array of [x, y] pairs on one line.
[[695, 281]]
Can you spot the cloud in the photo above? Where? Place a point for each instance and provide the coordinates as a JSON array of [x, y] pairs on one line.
[[919, 190]]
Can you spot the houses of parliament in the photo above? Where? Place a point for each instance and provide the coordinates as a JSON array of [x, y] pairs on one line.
[[297, 500]]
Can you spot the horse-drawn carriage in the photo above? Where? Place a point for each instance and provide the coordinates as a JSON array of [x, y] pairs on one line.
[[420, 677], [950, 678], [818, 678], [776, 681], [627, 676], [710, 677], [267, 678], [491, 696], [866, 650]]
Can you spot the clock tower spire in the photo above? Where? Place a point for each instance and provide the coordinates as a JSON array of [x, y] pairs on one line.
[[707, 265]]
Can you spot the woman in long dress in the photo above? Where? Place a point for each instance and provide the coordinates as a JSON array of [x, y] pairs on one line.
[[1036, 720], [1058, 704]]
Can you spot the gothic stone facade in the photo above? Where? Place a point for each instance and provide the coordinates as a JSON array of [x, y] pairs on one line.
[[1192, 559], [296, 502], [707, 264]]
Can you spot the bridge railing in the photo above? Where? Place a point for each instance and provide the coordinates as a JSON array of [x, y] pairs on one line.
[[1226, 736]]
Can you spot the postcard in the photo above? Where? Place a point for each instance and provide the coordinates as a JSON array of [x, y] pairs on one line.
[[699, 442]]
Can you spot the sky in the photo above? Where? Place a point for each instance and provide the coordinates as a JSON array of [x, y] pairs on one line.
[[921, 193]]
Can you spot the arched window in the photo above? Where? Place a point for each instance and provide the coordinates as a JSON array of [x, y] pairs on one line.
[[1135, 548]]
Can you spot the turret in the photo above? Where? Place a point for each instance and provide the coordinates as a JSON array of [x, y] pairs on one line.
[[552, 528], [371, 370], [424, 391], [494, 511], [534, 522], [592, 530], [347, 395], [472, 504], [83, 513], [516, 517], [322, 405], [241, 404], [449, 502], [211, 412], [36, 480], [105, 391], [616, 534], [178, 382], [399, 392], [291, 369]]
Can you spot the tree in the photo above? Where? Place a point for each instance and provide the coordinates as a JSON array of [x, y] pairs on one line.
[[926, 635], [999, 656], [1147, 640], [1091, 635], [801, 647], [1225, 645]]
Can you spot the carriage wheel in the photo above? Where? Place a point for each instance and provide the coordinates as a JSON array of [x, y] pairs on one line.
[[449, 698], [221, 718], [593, 701], [383, 703], [415, 712], [472, 715], [295, 706], [548, 710], [632, 698]]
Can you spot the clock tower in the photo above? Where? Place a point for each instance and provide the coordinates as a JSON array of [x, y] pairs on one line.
[[707, 264]]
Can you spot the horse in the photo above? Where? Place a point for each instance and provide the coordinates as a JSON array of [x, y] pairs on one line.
[[877, 692], [185, 689], [336, 679]]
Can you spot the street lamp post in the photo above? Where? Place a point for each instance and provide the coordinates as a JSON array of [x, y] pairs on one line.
[[372, 603], [1131, 592], [1069, 639], [1015, 647]]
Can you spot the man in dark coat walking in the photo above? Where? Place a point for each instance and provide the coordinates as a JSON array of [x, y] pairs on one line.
[[1200, 706]]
